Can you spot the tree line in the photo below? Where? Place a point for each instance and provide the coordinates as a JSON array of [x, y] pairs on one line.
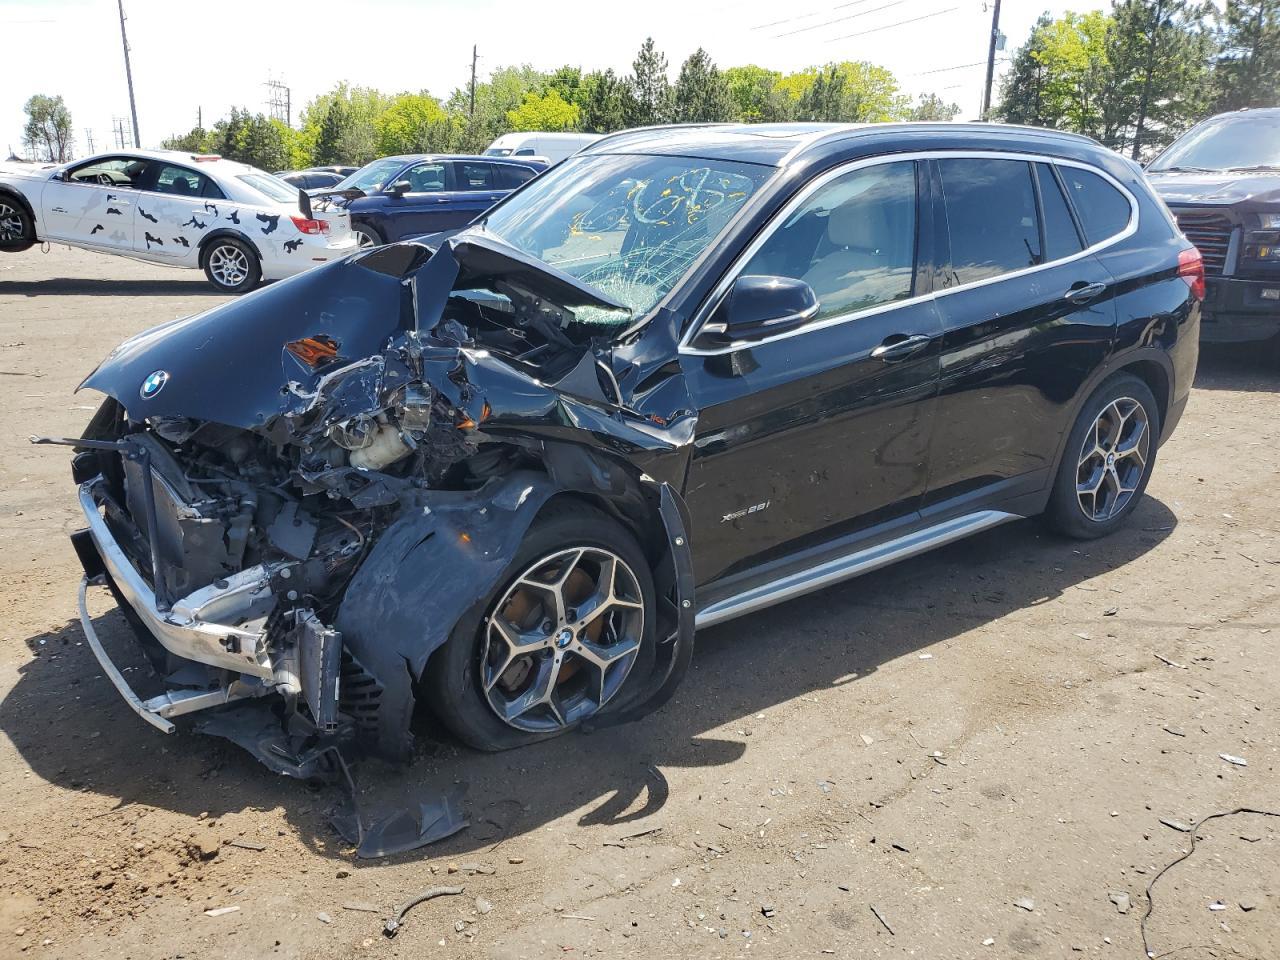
[[355, 124], [1138, 76]]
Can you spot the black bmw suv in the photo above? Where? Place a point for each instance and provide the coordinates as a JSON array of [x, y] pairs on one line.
[[686, 374], [1221, 179]]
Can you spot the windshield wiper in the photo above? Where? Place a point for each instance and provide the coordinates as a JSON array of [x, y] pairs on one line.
[[1184, 170], [1256, 168]]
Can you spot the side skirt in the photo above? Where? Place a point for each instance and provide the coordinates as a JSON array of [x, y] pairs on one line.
[[851, 565]]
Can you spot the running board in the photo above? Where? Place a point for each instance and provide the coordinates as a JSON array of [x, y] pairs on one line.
[[852, 565]]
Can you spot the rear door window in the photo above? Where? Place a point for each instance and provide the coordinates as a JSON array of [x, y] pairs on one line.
[[184, 183], [1103, 210], [425, 177], [1061, 239], [991, 218], [475, 176]]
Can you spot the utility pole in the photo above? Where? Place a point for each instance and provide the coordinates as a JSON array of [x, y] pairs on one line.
[[279, 101], [199, 118], [128, 74], [1146, 82], [88, 139], [473, 81], [991, 60]]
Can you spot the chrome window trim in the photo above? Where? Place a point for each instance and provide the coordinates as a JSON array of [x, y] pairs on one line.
[[717, 294]]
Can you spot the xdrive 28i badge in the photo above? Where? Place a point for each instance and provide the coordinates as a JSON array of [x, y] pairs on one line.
[[153, 384]]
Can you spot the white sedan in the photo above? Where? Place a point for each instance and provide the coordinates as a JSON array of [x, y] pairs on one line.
[[235, 222]]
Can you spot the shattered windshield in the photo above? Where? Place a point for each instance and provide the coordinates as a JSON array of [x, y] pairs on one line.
[[629, 226]]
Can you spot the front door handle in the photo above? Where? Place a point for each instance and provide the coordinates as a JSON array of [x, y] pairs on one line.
[[899, 347], [1085, 293]]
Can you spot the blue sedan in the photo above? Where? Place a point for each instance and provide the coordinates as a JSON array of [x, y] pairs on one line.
[[399, 198]]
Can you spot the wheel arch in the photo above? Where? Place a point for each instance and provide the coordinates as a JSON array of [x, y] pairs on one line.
[[20, 198], [207, 240]]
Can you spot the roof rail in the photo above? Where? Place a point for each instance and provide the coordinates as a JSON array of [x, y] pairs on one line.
[[656, 126]]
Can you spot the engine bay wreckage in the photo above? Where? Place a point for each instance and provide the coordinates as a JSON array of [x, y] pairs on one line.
[[296, 496]]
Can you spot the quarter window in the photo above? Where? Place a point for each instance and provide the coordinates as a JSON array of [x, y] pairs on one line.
[[853, 241], [991, 218], [1060, 236], [1103, 210], [513, 176]]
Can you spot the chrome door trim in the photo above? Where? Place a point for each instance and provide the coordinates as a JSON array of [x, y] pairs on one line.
[[686, 348], [852, 565]]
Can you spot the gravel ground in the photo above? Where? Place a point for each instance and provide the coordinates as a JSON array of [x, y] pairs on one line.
[[972, 754]]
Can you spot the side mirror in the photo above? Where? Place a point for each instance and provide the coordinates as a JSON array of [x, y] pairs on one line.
[[756, 308], [400, 188]]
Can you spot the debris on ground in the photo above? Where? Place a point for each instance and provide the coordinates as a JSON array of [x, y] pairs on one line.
[[1237, 761], [1121, 900], [883, 921], [406, 829], [483, 906], [1175, 825], [1025, 903], [324, 917], [220, 911], [393, 924]]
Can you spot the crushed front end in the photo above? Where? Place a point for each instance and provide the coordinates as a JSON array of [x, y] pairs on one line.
[[296, 496]]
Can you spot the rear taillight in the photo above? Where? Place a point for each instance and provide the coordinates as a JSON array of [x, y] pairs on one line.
[[310, 226], [1191, 269]]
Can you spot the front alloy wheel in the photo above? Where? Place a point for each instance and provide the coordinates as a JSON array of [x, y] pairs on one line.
[[12, 227], [1113, 459], [560, 642]]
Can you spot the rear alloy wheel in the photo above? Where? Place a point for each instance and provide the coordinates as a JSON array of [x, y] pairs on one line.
[[231, 265], [16, 229], [554, 644], [1108, 459], [366, 238]]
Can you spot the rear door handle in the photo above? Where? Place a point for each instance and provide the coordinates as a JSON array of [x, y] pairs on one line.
[[1085, 293], [899, 347]]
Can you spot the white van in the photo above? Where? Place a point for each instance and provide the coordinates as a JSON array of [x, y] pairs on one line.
[[554, 146]]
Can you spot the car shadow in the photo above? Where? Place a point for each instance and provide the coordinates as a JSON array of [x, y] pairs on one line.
[[197, 286], [74, 731], [1239, 366]]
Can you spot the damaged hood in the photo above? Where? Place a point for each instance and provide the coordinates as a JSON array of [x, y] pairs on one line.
[[233, 364], [1224, 188]]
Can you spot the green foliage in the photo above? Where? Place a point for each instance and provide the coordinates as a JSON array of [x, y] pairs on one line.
[[856, 92], [650, 87], [701, 93], [1133, 79], [757, 95], [933, 107], [413, 123], [606, 102], [48, 128], [1248, 69], [547, 111]]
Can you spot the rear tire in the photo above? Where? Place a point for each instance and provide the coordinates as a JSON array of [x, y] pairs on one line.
[[367, 237], [17, 229], [455, 677], [231, 265], [1107, 461]]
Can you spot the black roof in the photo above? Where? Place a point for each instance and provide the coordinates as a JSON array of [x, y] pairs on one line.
[[775, 144]]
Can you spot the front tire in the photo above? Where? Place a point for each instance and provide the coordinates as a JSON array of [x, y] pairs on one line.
[[231, 265], [1107, 461], [17, 230], [572, 617]]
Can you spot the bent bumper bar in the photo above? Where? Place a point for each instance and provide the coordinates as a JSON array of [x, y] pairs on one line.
[[186, 630], [112, 671]]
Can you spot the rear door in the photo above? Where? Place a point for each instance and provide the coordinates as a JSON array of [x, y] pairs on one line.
[[176, 207], [823, 431], [95, 204], [1028, 315], [477, 187]]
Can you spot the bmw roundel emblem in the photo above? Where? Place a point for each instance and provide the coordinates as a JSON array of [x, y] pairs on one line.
[[154, 384]]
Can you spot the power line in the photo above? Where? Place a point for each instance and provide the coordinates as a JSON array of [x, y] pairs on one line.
[[890, 26], [959, 66], [852, 16], [805, 16]]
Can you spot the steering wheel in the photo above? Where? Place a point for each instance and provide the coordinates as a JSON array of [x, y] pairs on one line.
[[104, 179]]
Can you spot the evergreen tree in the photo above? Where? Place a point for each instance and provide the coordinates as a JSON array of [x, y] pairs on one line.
[[1248, 71], [701, 93], [606, 102], [650, 88], [334, 128], [933, 107]]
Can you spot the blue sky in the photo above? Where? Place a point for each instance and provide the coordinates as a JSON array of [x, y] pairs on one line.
[[220, 54]]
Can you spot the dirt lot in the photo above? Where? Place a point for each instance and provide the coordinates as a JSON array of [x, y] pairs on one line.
[[981, 745]]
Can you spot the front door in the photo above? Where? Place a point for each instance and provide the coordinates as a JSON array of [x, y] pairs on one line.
[[424, 207], [176, 207], [94, 205], [1028, 315], [822, 431]]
